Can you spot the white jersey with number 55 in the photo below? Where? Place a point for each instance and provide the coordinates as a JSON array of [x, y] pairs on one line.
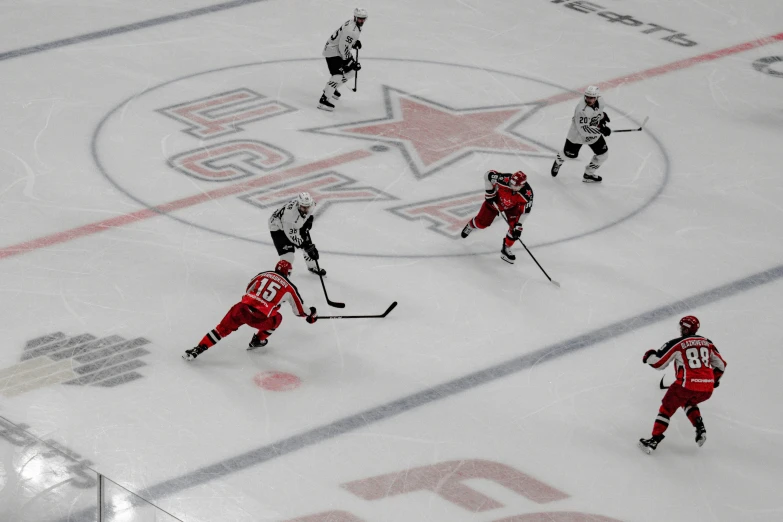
[[584, 125], [342, 40]]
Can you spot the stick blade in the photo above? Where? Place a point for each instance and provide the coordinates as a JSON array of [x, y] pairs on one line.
[[335, 304], [662, 385], [391, 307], [555, 283]]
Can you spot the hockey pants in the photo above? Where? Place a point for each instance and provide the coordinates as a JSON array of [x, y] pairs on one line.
[[679, 397], [240, 314]]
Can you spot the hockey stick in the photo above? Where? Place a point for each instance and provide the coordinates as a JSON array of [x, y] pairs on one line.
[[379, 316], [531, 255], [356, 77], [633, 130], [663, 387], [328, 301], [539, 264]]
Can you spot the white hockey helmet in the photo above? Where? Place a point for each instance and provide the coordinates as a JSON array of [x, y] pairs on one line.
[[359, 16], [305, 200], [592, 91]]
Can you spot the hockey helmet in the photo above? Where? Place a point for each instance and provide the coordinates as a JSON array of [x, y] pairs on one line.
[[518, 179], [305, 201], [359, 16], [689, 325], [283, 268], [592, 91]]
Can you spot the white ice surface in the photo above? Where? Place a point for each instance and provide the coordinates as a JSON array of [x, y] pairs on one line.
[[706, 168]]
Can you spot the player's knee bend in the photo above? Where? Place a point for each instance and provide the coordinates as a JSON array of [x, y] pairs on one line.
[[485, 217], [337, 79], [599, 159], [274, 321]]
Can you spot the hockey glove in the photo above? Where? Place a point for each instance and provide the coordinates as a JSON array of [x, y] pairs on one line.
[[647, 355], [516, 232], [606, 131], [718, 374], [605, 119], [311, 251], [350, 65], [308, 224], [357, 44], [313, 317]]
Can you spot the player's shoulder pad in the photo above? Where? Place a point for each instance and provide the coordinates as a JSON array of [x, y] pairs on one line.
[[668, 345]]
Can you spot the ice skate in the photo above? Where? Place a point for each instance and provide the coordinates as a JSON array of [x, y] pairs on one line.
[[701, 432], [555, 168], [506, 255], [336, 95], [591, 178], [324, 104], [315, 271], [255, 342], [466, 231], [194, 352], [649, 445]]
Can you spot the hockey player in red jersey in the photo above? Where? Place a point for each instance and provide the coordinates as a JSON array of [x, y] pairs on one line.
[[507, 193], [699, 367], [258, 309]]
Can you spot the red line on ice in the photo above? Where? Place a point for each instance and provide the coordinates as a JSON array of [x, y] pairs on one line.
[[140, 215], [669, 67]]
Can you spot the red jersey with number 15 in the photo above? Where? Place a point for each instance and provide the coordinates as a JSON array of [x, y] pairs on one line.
[[268, 290], [696, 361]]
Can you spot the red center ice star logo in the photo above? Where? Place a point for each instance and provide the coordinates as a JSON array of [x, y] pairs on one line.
[[432, 135]]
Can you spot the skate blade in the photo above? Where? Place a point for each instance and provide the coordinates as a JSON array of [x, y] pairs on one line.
[[188, 358], [325, 108], [701, 441], [506, 259]]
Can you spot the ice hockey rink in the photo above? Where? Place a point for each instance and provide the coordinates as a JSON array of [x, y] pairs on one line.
[[145, 144]]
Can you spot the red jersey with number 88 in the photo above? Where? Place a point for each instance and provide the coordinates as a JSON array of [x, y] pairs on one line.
[[268, 290], [695, 358]]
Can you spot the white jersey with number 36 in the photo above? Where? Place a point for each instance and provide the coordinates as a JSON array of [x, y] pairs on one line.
[[288, 219], [342, 40], [584, 125]]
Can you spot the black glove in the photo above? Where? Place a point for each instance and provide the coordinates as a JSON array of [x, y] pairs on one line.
[[312, 252], [350, 65], [647, 355], [357, 44], [606, 131], [516, 232], [605, 119], [717, 383], [313, 317], [306, 227]]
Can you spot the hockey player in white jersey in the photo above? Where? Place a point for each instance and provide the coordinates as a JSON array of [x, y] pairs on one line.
[[588, 127], [339, 58], [290, 229]]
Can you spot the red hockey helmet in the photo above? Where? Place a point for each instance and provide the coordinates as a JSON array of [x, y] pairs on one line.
[[689, 324], [283, 267], [518, 179]]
